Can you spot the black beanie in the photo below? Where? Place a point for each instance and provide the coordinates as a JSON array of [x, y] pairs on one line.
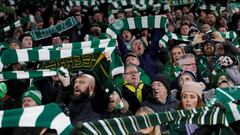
[[163, 79]]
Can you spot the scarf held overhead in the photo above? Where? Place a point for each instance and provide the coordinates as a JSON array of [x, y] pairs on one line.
[[58, 28]]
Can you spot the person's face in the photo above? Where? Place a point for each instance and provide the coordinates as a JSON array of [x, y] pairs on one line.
[[202, 15], [132, 60], [222, 29], [56, 41], [148, 130], [176, 53], [189, 100], [206, 28], [211, 19], [98, 17], [171, 28], [14, 46], [121, 16], [132, 75], [159, 90], [178, 14], [225, 14], [96, 31], [81, 85], [185, 10], [51, 21], [27, 42], [208, 49], [40, 25], [184, 79], [137, 47], [28, 102], [114, 99], [144, 33], [189, 65], [127, 36], [191, 16], [79, 18], [185, 30], [170, 16], [223, 21], [66, 41], [220, 49]]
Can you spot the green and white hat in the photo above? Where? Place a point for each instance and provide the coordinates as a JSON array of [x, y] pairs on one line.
[[33, 93], [3, 90]]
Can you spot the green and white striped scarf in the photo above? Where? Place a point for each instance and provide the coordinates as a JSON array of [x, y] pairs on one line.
[[227, 35], [127, 125], [136, 23], [85, 4], [104, 43], [8, 75], [58, 28], [51, 53], [18, 23], [169, 35], [120, 3], [24, 55], [232, 36], [139, 5], [105, 1], [234, 7], [49, 116], [154, 7], [217, 9], [184, 2]]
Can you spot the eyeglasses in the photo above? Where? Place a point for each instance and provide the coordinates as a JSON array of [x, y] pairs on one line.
[[131, 73]]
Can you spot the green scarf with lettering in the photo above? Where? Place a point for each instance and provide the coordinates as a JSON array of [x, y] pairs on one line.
[[58, 28]]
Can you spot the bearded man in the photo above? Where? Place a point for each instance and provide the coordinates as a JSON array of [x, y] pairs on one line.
[[80, 107]]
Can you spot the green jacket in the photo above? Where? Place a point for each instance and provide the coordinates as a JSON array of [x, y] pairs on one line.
[[171, 71]]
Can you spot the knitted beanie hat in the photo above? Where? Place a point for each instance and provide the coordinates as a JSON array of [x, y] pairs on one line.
[[195, 87], [3, 90], [33, 93], [163, 79]]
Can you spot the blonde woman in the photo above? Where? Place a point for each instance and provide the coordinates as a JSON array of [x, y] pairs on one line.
[[154, 130]]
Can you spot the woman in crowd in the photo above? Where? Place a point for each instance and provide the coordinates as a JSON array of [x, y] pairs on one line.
[[154, 130]]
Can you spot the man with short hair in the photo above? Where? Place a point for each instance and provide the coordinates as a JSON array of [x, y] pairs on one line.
[[134, 90], [187, 62], [132, 58], [26, 40]]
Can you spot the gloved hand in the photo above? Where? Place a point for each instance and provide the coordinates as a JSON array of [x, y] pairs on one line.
[[225, 61], [64, 76]]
